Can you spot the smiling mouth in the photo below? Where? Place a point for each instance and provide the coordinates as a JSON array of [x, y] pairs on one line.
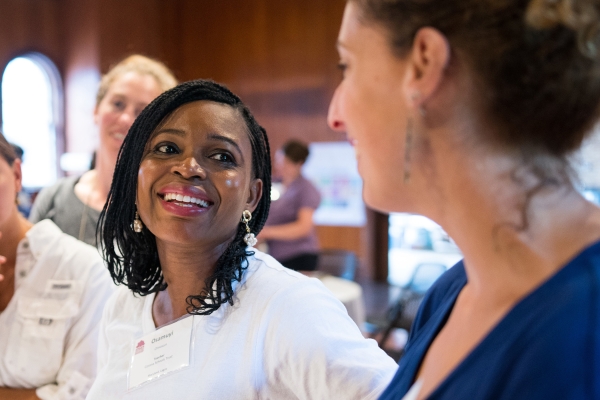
[[185, 201]]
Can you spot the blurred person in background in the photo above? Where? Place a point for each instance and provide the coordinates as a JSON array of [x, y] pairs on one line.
[[23, 198], [290, 230], [52, 292], [466, 111], [74, 203]]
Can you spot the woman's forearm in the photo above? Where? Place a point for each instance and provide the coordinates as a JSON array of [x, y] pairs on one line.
[[17, 394]]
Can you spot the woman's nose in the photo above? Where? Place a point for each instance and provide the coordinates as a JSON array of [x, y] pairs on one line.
[[334, 118], [189, 169], [127, 117]]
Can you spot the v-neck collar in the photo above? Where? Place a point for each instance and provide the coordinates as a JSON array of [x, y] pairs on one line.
[[523, 308]]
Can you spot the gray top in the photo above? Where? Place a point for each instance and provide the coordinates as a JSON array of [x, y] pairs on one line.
[[60, 204]]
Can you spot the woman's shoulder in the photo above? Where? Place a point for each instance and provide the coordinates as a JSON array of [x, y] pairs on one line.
[[268, 279], [61, 194], [62, 187], [46, 239], [60, 257], [124, 305], [264, 268], [307, 188]]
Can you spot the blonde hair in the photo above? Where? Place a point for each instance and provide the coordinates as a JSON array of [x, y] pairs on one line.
[[141, 65]]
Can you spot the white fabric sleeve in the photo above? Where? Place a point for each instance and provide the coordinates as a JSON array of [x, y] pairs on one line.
[[313, 350], [78, 368], [102, 348]]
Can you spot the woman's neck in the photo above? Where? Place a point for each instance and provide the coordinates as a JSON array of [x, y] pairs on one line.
[[105, 168], [514, 232], [185, 270], [93, 186]]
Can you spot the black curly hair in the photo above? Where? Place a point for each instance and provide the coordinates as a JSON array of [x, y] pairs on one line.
[[132, 258]]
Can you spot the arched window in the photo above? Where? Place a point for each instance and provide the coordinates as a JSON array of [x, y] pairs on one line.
[[32, 115]]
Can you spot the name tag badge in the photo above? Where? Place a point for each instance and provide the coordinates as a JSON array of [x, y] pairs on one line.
[[62, 289], [161, 352]]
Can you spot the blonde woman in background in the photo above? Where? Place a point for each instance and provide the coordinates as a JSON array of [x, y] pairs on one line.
[[74, 203]]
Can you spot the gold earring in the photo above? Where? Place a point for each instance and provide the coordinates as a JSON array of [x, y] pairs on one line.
[[137, 223], [249, 237]]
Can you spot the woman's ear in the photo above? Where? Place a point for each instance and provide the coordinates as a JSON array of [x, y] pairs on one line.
[[254, 194], [16, 167], [428, 59]]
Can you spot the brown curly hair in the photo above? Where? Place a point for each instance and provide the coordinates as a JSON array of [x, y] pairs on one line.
[[6, 150], [535, 62]]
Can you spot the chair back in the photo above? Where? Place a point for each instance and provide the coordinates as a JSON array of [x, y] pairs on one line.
[[340, 263], [403, 312], [424, 276]]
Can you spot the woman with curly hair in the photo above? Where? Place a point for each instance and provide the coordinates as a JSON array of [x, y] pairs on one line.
[[466, 111], [189, 194]]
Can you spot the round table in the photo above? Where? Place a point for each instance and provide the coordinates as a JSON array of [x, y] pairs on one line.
[[348, 292]]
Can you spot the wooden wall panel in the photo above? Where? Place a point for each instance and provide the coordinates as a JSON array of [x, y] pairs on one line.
[[131, 26], [81, 33], [279, 56], [27, 25]]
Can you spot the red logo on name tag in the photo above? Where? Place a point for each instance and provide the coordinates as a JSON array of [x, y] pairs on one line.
[[140, 347]]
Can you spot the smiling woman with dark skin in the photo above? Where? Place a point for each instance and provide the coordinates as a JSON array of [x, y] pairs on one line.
[[180, 241], [192, 232]]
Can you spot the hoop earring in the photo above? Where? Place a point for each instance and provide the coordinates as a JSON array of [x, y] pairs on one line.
[[137, 223], [407, 150], [249, 237]]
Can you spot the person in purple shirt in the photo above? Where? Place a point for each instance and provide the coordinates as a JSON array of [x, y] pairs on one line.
[[290, 231], [467, 112]]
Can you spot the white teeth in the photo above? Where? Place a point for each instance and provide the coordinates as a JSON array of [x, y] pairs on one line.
[[185, 199]]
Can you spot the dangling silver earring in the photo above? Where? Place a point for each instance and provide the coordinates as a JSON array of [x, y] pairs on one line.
[[249, 238], [407, 150], [137, 223]]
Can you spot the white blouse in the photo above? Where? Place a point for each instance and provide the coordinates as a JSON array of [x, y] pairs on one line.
[[286, 336], [49, 330]]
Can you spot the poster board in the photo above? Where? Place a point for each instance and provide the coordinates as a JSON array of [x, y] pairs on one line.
[[332, 168]]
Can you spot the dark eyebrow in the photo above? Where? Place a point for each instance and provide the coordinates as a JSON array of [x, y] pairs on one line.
[[177, 132], [221, 138]]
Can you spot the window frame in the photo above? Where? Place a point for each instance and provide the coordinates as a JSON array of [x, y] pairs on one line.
[[57, 100]]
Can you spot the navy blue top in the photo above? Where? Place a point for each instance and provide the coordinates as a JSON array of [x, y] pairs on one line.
[[546, 347]]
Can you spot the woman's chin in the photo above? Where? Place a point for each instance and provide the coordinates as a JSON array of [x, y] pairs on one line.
[[379, 201]]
